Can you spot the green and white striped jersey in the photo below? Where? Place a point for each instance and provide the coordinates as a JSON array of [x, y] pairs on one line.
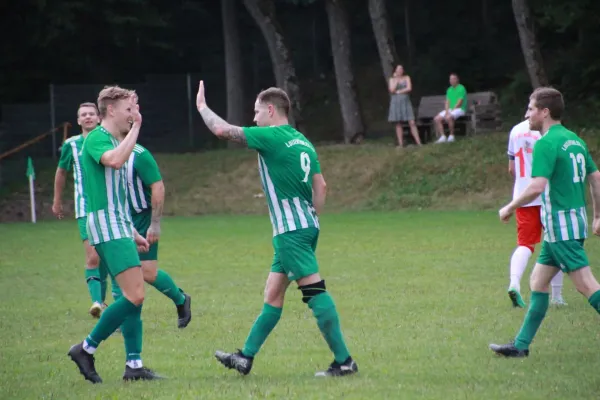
[[287, 162], [108, 216], [142, 171], [563, 158], [70, 158]]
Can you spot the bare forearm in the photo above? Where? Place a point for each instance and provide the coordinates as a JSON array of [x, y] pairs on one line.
[[528, 195], [158, 201], [319, 196], [59, 184], [117, 157], [220, 127], [595, 189]]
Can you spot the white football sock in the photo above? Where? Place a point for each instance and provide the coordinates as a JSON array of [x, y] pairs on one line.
[[557, 284], [518, 263], [88, 348], [134, 364]]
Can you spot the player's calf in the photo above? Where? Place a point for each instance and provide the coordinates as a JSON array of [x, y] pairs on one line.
[[324, 310], [163, 282], [586, 283]]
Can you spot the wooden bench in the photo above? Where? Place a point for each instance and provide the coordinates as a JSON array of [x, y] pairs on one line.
[[483, 114]]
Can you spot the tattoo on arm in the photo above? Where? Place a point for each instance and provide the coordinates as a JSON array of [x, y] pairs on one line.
[[221, 128], [157, 210]]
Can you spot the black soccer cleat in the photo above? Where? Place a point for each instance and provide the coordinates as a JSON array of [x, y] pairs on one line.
[[85, 363], [184, 312], [237, 361], [348, 367], [508, 350], [143, 373]]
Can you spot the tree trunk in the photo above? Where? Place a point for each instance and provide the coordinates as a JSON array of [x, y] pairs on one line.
[[339, 32], [383, 37], [409, 42], [529, 44], [233, 65], [263, 13]]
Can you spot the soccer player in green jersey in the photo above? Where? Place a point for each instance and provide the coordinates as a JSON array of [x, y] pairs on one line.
[[104, 157], [146, 196], [561, 164], [70, 159], [295, 191]]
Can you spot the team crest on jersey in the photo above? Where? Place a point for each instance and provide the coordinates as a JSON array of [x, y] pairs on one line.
[[528, 147]]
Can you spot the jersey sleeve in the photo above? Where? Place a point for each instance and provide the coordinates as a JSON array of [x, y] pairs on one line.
[[590, 165], [511, 146], [259, 137], [96, 145], [147, 169], [317, 166], [66, 157], [544, 159]]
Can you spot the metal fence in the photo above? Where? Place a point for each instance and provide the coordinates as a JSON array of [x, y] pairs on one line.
[[167, 102]]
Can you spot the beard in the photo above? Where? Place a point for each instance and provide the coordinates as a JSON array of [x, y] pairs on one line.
[[535, 126]]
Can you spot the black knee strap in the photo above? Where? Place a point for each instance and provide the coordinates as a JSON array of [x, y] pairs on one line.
[[93, 278], [312, 290]]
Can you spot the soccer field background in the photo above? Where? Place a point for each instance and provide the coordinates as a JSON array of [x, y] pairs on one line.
[[420, 295]]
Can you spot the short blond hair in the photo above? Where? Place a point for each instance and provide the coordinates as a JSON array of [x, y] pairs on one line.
[[87, 104], [110, 95], [276, 97]]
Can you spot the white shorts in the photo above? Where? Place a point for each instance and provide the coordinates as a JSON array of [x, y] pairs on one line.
[[456, 113]]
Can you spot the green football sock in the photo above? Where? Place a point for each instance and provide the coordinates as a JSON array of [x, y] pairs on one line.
[[113, 316], [92, 278], [262, 327], [164, 284], [533, 319], [594, 301], [115, 289], [132, 335], [103, 276], [323, 308]]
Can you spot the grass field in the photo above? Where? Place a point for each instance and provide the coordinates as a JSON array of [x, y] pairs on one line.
[[420, 295]]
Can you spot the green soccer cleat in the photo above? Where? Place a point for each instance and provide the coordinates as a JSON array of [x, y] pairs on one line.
[[515, 297]]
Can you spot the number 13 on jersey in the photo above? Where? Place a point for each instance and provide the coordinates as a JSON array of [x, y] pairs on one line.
[[305, 165], [579, 159]]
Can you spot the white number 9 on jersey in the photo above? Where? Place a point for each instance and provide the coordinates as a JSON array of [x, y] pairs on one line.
[[305, 165]]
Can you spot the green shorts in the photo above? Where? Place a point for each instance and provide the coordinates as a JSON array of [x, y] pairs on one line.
[[118, 255], [82, 223], [295, 253], [141, 222], [567, 255]]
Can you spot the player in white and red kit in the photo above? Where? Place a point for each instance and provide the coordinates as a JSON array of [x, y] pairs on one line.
[[529, 223]]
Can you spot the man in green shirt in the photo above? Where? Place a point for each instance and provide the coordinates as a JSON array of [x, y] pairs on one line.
[[70, 159], [295, 192], [104, 157], [455, 107], [561, 164], [146, 196]]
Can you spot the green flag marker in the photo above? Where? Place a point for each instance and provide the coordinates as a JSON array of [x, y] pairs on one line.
[[31, 175], [30, 172]]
